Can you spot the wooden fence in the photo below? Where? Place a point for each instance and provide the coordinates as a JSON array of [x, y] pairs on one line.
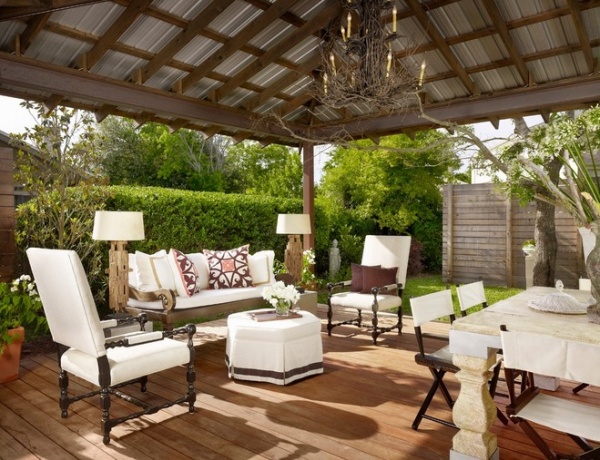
[[484, 232]]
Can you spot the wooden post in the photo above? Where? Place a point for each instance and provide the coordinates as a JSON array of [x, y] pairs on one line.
[[308, 190], [450, 232], [509, 232]]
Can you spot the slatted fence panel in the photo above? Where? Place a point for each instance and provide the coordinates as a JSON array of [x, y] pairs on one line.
[[484, 232]]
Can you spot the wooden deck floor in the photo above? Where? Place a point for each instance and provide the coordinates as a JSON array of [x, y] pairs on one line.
[[360, 408]]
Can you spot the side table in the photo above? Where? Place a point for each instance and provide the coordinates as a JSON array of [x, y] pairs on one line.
[[278, 351], [308, 302]]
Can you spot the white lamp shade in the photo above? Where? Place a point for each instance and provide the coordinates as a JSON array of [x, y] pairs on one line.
[[118, 226], [293, 224]]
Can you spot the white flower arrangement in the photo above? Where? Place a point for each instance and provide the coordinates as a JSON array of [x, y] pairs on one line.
[[279, 291]]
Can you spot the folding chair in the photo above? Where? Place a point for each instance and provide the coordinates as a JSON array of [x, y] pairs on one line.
[[426, 309], [558, 358], [108, 363]]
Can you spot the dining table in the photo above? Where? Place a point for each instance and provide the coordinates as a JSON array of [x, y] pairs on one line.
[[474, 342]]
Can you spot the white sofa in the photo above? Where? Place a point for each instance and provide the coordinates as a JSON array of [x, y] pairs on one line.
[[155, 287]]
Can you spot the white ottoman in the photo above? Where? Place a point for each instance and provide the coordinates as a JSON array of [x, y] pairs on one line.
[[278, 351]]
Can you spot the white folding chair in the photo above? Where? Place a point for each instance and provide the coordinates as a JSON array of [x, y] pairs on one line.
[[426, 309], [84, 351], [538, 354]]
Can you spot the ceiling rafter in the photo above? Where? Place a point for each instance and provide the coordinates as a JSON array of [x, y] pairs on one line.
[[440, 41], [280, 48], [34, 26], [14, 10], [126, 18], [194, 27], [584, 38], [509, 43], [234, 44]]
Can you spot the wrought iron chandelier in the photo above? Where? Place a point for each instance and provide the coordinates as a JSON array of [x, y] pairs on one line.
[[358, 60]]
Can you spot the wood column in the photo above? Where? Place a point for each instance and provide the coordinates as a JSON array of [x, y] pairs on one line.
[[308, 189], [7, 215]]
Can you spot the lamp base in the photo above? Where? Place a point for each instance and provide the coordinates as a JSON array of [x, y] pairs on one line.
[[293, 257], [118, 276]]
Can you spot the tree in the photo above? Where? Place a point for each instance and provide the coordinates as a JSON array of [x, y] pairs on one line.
[[58, 165], [394, 187], [275, 170], [151, 155]]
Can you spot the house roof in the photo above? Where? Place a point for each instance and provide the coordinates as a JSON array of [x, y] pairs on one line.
[[221, 66]]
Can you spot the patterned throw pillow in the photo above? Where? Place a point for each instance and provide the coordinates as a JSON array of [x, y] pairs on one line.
[[184, 272], [229, 269]]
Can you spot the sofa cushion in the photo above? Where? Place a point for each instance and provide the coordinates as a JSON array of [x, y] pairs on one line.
[[201, 263], [185, 274], [228, 269], [261, 267], [154, 271]]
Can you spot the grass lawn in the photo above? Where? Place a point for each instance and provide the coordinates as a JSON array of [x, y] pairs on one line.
[[426, 284]]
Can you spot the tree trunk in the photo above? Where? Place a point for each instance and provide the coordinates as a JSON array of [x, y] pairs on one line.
[[545, 235], [546, 245]]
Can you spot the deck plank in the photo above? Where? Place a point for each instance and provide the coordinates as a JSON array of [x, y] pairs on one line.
[[361, 407]]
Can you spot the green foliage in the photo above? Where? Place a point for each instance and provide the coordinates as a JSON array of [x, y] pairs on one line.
[[20, 305], [153, 156], [395, 190], [63, 156], [275, 170]]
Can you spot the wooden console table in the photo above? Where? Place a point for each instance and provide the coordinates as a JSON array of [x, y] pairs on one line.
[[475, 339]]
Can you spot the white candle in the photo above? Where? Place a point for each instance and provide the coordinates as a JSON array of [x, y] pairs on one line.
[[325, 78], [394, 13], [343, 33], [332, 61], [349, 19], [422, 74]]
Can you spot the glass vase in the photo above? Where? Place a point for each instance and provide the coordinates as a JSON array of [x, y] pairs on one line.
[[282, 308]]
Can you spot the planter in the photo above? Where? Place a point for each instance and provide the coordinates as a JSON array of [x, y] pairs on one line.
[[529, 250], [11, 357]]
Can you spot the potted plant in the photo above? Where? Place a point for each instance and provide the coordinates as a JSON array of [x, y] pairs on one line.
[[20, 308], [528, 247]]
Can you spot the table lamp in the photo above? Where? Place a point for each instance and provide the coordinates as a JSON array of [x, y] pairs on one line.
[[118, 227], [293, 225]]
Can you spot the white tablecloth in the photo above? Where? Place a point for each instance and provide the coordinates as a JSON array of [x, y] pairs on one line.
[[280, 351]]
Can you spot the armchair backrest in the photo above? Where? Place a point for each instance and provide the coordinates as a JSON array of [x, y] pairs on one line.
[[388, 251], [67, 299]]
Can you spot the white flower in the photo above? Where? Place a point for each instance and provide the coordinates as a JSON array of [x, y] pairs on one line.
[[14, 289], [279, 291]]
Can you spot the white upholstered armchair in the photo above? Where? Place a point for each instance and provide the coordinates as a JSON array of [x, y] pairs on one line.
[[376, 284], [85, 353]]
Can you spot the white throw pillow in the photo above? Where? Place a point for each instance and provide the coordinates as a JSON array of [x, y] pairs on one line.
[[261, 267], [154, 271], [201, 263]]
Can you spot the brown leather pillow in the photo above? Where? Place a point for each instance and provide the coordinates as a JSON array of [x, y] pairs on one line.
[[357, 276], [377, 277]]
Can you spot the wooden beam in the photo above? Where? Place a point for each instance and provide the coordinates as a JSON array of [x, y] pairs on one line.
[[502, 29], [234, 44], [584, 38], [320, 21], [51, 103], [133, 10], [34, 27], [27, 73], [308, 190], [104, 111], [199, 23], [430, 29]]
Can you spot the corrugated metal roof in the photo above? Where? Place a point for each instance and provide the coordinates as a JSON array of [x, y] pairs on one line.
[[542, 34]]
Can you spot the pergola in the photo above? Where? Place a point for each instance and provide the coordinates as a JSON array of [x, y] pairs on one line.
[[223, 66]]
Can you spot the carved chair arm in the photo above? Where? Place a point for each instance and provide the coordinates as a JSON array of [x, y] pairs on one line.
[[138, 338], [166, 296], [339, 284]]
